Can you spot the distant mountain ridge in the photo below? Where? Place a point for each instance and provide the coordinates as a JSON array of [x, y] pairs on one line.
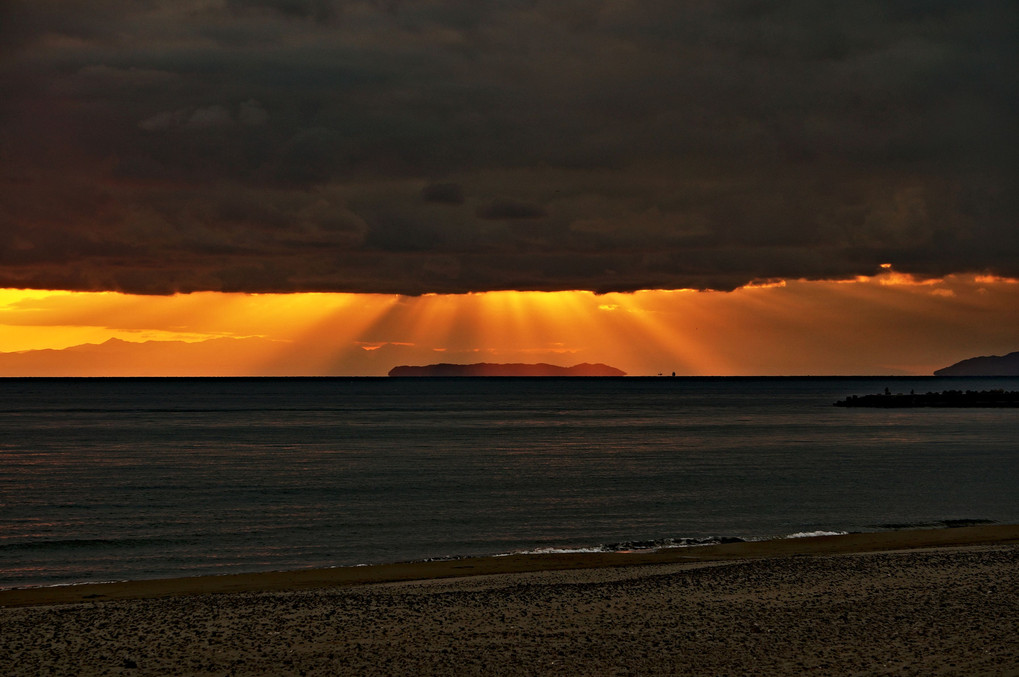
[[514, 369], [988, 365], [115, 357]]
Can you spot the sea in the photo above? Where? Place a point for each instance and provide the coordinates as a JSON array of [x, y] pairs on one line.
[[106, 479]]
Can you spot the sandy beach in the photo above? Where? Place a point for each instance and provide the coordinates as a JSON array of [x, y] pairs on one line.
[[921, 602]]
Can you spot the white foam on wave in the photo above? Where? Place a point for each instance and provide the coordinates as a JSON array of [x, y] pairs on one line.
[[61, 585], [552, 551], [814, 534]]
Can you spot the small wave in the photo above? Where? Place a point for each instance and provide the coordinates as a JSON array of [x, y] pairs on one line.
[[557, 551], [80, 583], [630, 546], [33, 586], [814, 534], [935, 524], [662, 543]]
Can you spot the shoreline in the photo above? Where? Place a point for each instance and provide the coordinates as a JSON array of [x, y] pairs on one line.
[[937, 602], [436, 570]]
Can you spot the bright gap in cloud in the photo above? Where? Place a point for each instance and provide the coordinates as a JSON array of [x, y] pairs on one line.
[[888, 323]]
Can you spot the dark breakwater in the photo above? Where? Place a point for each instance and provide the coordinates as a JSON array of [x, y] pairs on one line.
[[947, 398]]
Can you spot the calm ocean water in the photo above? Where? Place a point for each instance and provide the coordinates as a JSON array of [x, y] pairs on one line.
[[108, 479]]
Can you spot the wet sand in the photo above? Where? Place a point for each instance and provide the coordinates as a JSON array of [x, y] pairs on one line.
[[911, 602]]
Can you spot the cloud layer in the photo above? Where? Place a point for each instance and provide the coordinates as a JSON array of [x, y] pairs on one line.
[[449, 146]]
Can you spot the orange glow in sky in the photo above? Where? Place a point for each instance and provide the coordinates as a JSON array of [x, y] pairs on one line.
[[891, 323]]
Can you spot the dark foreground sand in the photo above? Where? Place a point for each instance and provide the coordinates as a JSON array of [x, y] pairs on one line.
[[916, 603]]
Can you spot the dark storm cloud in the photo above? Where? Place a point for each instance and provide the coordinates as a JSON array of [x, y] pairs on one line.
[[319, 10], [509, 209], [443, 193], [445, 145]]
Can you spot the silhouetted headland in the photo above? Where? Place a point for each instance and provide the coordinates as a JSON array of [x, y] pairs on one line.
[[487, 369], [947, 398], [988, 365]]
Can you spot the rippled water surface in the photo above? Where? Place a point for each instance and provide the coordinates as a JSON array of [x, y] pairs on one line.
[[137, 478]]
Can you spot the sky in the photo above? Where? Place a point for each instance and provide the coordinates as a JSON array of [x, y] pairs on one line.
[[337, 187]]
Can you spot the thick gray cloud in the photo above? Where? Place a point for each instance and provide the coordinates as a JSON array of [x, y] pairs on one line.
[[445, 145], [443, 193], [508, 209]]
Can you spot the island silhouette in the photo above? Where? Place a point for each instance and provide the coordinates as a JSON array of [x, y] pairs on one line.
[[513, 369], [987, 365]]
